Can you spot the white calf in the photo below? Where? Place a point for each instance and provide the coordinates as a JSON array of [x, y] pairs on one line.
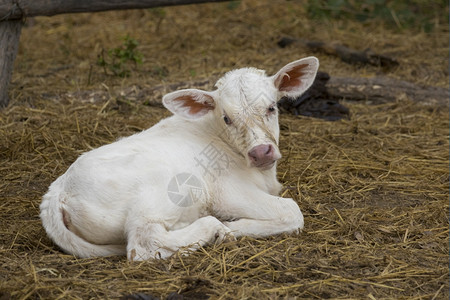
[[206, 173]]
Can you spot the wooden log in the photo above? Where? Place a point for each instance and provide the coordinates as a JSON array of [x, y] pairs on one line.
[[9, 42], [18, 9], [385, 89]]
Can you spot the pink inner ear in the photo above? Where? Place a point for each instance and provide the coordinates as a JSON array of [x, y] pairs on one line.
[[292, 78], [196, 106]]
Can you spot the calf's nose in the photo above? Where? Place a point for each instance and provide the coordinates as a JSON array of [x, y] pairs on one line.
[[261, 155]]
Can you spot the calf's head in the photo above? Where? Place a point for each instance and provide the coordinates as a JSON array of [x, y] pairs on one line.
[[242, 111]]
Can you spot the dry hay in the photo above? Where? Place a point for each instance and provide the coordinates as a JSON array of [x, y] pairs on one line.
[[373, 189]]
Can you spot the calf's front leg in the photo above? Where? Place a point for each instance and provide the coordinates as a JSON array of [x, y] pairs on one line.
[[260, 214]]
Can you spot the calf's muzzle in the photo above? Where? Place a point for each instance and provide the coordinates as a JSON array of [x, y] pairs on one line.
[[262, 155]]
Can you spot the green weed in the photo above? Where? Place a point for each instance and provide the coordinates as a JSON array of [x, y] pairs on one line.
[[118, 60]]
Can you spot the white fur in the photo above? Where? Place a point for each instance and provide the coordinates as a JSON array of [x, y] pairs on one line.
[[115, 199]]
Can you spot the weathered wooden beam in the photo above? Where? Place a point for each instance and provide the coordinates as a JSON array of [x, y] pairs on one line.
[[9, 42], [18, 9], [386, 89]]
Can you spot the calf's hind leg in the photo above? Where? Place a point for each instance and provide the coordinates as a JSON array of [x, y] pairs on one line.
[[151, 240]]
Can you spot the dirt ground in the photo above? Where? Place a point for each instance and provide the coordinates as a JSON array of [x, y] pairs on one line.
[[374, 189]]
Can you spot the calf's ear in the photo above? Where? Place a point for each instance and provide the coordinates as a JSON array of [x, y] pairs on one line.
[[296, 77], [189, 104]]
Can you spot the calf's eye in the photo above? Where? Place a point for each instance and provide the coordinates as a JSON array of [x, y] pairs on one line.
[[271, 109], [227, 120]]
